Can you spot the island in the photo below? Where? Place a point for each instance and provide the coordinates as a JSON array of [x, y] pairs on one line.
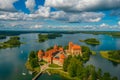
[[44, 37], [91, 41], [12, 42], [111, 33], [68, 62], [111, 55], [2, 36]]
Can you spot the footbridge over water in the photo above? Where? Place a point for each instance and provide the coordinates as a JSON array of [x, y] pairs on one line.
[[42, 69]]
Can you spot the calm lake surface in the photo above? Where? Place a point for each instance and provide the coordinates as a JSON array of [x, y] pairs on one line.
[[12, 60]]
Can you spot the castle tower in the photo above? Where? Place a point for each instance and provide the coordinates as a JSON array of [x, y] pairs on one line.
[[40, 55], [70, 46], [55, 47]]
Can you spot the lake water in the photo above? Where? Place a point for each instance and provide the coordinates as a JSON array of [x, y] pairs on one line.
[[12, 60]]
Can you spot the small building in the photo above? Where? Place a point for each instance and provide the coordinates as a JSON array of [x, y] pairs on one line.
[[74, 49]]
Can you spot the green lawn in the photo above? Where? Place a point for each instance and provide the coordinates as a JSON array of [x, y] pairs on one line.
[[28, 66], [93, 52], [42, 62], [63, 74], [54, 66]]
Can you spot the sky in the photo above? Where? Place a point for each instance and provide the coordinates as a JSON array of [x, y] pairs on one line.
[[62, 15]]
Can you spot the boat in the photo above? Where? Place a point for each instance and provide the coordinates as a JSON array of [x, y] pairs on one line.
[[21, 51], [23, 74]]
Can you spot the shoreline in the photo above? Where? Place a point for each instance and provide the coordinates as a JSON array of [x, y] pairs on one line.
[[62, 73], [105, 55]]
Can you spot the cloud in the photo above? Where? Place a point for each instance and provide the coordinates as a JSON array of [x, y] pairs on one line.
[[36, 27], [21, 25], [13, 16], [103, 25], [45, 13], [119, 23], [83, 5], [77, 17], [42, 12], [7, 5], [30, 4]]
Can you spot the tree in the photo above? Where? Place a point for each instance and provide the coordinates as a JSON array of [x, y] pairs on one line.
[[34, 63], [91, 72], [106, 76], [66, 47], [66, 63], [85, 74], [99, 73], [86, 53], [32, 55], [80, 69], [72, 67], [85, 49], [114, 78]]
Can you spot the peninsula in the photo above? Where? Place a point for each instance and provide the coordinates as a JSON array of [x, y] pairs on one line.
[[111, 55], [12, 42]]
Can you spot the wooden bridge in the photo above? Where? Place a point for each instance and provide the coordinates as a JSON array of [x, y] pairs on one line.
[[43, 68]]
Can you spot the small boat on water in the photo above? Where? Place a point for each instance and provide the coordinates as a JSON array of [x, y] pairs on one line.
[[23, 74], [21, 51]]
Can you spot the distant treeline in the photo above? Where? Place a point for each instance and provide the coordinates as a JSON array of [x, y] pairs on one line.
[[23, 32], [14, 33], [111, 33]]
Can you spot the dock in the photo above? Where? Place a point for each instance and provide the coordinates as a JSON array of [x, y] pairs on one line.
[[43, 68]]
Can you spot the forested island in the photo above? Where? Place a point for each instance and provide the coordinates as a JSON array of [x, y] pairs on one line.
[[91, 41], [73, 67], [77, 71], [111, 55], [111, 33], [12, 42], [44, 37]]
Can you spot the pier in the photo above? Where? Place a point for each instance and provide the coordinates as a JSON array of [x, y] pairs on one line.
[[43, 68]]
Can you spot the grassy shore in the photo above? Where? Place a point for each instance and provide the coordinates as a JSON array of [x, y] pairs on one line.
[[12, 42], [93, 52], [28, 66], [106, 55], [111, 33], [54, 66], [63, 74]]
